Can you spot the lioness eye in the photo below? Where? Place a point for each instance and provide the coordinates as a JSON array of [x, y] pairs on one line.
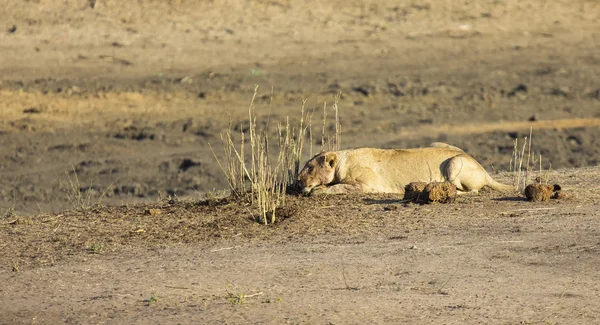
[[310, 168]]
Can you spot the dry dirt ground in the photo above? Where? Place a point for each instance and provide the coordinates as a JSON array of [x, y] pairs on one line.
[[116, 101], [488, 258]]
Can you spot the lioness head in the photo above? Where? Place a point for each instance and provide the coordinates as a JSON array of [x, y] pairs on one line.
[[320, 170]]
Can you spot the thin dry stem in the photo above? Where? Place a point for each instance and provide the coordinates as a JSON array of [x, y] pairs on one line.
[[540, 169], [323, 129], [519, 177], [528, 157], [338, 127]]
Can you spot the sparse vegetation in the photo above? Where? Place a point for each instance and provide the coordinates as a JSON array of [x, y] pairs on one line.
[[236, 299], [96, 248], [81, 198], [538, 189], [153, 299], [240, 298], [265, 179], [9, 213], [523, 174], [346, 285], [332, 142]]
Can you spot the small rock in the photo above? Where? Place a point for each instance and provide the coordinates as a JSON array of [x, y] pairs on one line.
[[187, 163], [153, 212], [32, 110], [186, 80], [12, 29], [520, 88], [365, 90], [390, 208], [188, 125], [561, 91]]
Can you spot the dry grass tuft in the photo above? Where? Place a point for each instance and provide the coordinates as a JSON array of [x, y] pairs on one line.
[[523, 173], [331, 143], [260, 177], [82, 199]]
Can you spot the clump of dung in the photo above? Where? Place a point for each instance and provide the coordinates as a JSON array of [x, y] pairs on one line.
[[543, 192], [441, 192], [414, 191], [423, 193], [559, 195]]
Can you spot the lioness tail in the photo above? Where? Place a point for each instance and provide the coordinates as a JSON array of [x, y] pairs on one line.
[[499, 186]]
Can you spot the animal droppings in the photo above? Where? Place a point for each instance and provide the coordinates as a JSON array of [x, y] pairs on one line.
[[413, 191], [543, 192], [440, 192], [423, 193], [559, 195]]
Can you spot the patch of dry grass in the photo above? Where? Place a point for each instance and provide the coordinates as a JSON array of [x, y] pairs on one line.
[[82, 199], [524, 174], [262, 178]]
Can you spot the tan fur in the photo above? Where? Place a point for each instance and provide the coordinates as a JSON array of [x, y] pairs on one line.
[[370, 170]]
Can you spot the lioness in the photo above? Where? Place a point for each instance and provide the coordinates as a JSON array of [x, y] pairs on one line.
[[371, 170]]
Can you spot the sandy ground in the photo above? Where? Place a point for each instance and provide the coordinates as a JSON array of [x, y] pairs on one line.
[[487, 258], [119, 101]]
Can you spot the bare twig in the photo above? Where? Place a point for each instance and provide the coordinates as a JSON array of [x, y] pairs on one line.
[[534, 209], [254, 295], [224, 248], [528, 156]]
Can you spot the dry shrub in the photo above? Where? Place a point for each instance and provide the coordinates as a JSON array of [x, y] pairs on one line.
[[542, 192], [262, 178]]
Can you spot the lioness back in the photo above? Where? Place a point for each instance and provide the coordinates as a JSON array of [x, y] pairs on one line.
[[390, 170], [395, 168]]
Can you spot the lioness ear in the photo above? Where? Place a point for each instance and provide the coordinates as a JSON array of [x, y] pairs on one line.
[[331, 159]]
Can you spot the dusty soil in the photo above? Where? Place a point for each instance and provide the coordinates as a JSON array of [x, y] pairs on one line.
[[485, 258], [115, 102]]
